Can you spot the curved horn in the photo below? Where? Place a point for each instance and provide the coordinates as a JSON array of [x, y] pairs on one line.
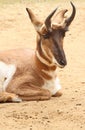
[[70, 19], [48, 21]]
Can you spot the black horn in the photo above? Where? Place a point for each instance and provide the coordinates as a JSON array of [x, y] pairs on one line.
[[70, 19], [48, 20]]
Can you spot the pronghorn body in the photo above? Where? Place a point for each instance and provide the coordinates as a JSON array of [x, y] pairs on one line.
[[31, 74]]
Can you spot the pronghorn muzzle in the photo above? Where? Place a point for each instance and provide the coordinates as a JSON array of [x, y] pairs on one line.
[[59, 55]]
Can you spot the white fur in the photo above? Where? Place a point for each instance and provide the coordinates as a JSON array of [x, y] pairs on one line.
[[16, 99], [6, 73], [52, 85]]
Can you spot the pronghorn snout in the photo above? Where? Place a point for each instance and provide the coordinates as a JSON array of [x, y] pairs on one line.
[[62, 63]]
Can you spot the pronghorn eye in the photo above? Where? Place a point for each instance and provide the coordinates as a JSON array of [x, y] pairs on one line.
[[46, 36]]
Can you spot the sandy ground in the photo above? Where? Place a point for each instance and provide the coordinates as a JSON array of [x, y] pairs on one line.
[[66, 112]]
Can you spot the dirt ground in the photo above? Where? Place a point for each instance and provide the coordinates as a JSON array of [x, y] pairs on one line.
[[66, 112]]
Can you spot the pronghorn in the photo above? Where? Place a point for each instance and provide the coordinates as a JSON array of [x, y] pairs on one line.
[[26, 74]]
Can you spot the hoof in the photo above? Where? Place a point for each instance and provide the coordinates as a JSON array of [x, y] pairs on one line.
[[16, 99], [58, 94]]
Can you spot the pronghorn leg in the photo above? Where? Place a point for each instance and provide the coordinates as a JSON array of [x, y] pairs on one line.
[[6, 96], [21, 87], [58, 94], [34, 94], [9, 97]]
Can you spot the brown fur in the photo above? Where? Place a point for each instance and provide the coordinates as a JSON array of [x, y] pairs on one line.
[[28, 80]]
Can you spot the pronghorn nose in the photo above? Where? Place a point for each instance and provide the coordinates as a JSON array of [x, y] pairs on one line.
[[62, 62]]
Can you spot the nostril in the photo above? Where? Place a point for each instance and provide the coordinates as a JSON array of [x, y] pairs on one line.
[[62, 62]]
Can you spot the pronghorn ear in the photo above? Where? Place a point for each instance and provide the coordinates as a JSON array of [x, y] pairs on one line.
[[59, 17], [37, 24]]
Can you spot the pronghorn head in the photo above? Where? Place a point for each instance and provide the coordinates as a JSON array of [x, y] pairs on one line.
[[51, 34]]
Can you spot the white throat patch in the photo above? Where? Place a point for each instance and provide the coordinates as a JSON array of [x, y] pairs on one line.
[[52, 85]]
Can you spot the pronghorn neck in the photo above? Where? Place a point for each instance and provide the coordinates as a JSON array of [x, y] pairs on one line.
[[44, 68]]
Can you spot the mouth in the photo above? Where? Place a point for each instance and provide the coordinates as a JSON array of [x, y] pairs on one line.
[[60, 66], [60, 63]]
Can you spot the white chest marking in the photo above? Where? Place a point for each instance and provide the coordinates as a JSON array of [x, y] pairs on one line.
[[6, 73], [52, 85]]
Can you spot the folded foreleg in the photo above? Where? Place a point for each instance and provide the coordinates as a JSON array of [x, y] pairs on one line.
[[9, 97]]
